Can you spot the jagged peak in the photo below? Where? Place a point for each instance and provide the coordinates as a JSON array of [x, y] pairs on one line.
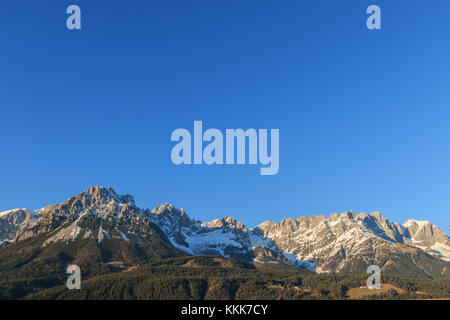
[[362, 215], [12, 211], [167, 208], [226, 222], [377, 215], [264, 224], [419, 223], [348, 214], [334, 216], [227, 219], [95, 196], [108, 194]]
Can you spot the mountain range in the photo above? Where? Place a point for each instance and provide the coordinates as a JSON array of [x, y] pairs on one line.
[[103, 230]]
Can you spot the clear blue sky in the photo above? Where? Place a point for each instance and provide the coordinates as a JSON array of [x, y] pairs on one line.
[[363, 115]]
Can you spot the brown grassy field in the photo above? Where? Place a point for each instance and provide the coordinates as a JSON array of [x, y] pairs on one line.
[[358, 293]]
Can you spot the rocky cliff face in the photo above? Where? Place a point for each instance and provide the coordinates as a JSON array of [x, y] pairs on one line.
[[425, 235], [98, 213], [348, 242], [13, 222], [338, 243], [227, 236]]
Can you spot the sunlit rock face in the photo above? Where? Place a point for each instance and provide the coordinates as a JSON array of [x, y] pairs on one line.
[[338, 243]]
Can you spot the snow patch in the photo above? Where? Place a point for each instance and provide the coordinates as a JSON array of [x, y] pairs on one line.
[[123, 235], [213, 241], [296, 261], [257, 241]]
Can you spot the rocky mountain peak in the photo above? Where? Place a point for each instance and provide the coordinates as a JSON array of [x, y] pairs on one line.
[[167, 209], [14, 221], [339, 242], [333, 217], [226, 222], [349, 214], [102, 194], [15, 213], [376, 215], [417, 224], [424, 233], [91, 199], [170, 218]]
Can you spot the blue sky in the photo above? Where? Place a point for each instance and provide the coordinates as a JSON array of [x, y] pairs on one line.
[[363, 115]]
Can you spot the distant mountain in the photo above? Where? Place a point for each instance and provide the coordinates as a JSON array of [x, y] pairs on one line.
[[99, 226], [349, 243], [13, 222]]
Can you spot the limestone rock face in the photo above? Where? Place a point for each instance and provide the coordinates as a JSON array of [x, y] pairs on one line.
[[97, 208], [13, 222], [343, 242], [347, 242]]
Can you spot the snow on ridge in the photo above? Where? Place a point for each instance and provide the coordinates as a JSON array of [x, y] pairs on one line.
[[212, 240], [34, 214], [227, 235], [204, 240], [257, 241], [5, 213]]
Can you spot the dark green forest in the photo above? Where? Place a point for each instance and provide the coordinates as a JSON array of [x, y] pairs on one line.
[[210, 277]]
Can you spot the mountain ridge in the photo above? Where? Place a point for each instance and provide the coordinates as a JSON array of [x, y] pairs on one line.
[[337, 243]]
